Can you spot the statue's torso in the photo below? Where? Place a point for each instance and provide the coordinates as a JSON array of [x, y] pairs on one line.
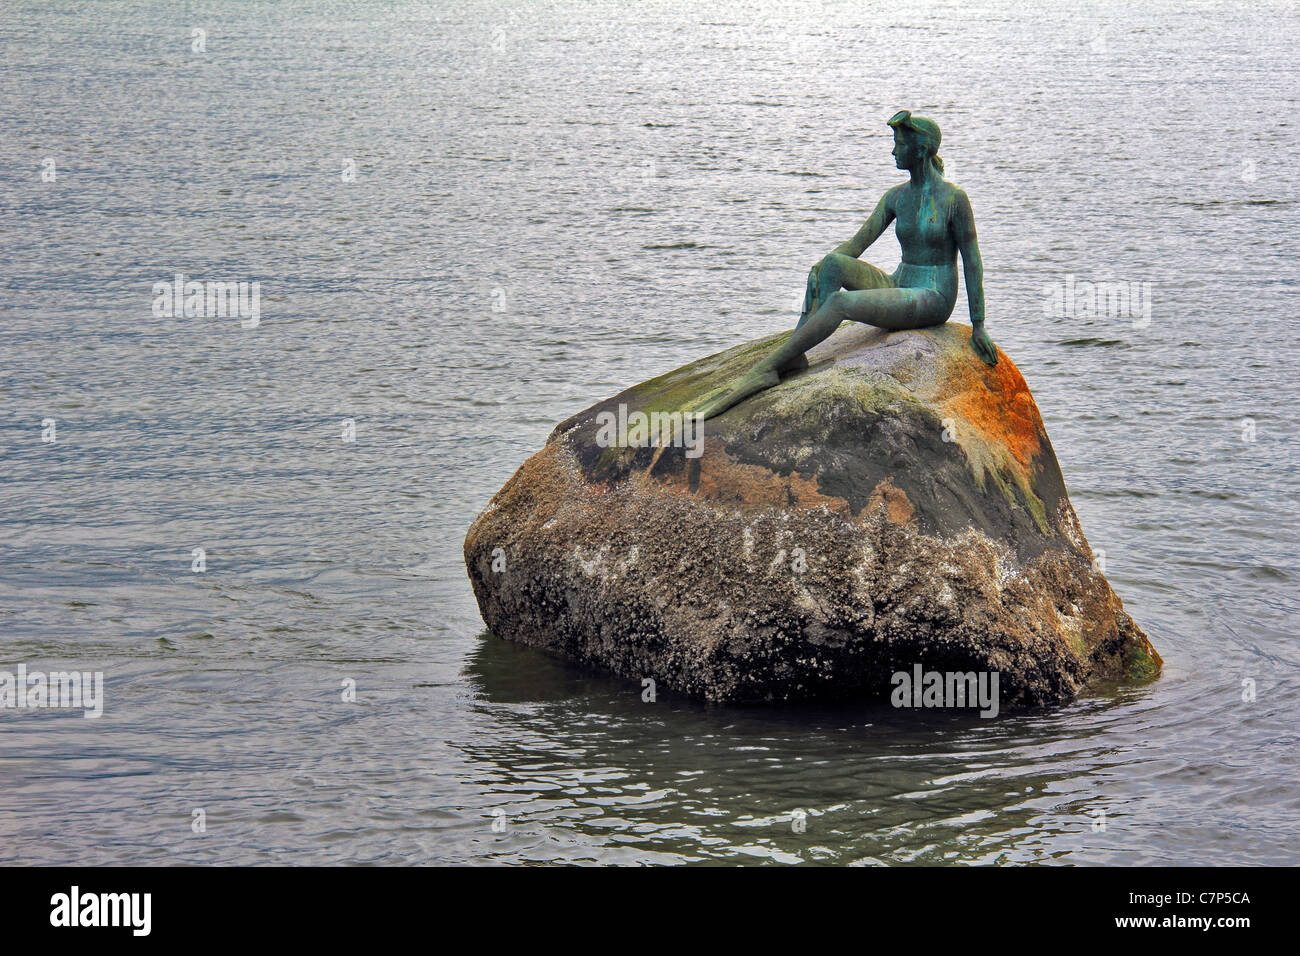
[[923, 224]]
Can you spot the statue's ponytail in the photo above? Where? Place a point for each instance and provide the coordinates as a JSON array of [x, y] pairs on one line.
[[938, 163]]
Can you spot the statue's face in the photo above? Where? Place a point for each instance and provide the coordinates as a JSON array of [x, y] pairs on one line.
[[903, 151]]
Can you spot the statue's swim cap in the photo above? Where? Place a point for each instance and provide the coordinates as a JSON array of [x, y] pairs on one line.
[[926, 129]]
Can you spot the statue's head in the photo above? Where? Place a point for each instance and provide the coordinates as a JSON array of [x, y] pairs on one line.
[[916, 140]]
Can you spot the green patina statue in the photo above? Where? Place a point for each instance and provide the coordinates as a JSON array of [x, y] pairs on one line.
[[935, 222]]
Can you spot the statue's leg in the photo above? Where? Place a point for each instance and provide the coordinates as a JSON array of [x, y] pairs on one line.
[[830, 275], [873, 298], [885, 308], [830, 281], [896, 309], [837, 271]]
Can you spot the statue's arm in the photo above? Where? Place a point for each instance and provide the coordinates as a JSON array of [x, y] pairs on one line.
[[963, 223], [969, 247], [871, 229]]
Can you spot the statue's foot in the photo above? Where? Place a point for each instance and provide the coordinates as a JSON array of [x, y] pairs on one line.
[[756, 381]]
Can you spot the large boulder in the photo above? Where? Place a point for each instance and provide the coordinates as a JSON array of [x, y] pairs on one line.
[[895, 504]]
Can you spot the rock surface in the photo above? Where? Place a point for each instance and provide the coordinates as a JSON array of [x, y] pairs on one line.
[[897, 503]]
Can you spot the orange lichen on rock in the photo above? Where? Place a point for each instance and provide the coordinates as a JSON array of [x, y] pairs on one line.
[[995, 403], [898, 508], [721, 478]]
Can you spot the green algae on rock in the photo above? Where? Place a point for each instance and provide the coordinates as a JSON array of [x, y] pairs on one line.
[[896, 503]]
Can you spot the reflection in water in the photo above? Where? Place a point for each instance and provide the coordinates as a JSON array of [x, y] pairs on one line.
[[581, 760]]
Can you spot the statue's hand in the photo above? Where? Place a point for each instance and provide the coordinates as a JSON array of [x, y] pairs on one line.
[[810, 297], [983, 346]]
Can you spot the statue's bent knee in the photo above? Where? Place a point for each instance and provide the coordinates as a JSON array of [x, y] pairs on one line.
[[833, 260], [837, 301]]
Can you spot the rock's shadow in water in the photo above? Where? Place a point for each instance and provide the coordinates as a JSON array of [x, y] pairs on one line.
[[504, 672]]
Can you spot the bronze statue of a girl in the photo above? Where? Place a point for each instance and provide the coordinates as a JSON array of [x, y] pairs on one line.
[[934, 223]]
